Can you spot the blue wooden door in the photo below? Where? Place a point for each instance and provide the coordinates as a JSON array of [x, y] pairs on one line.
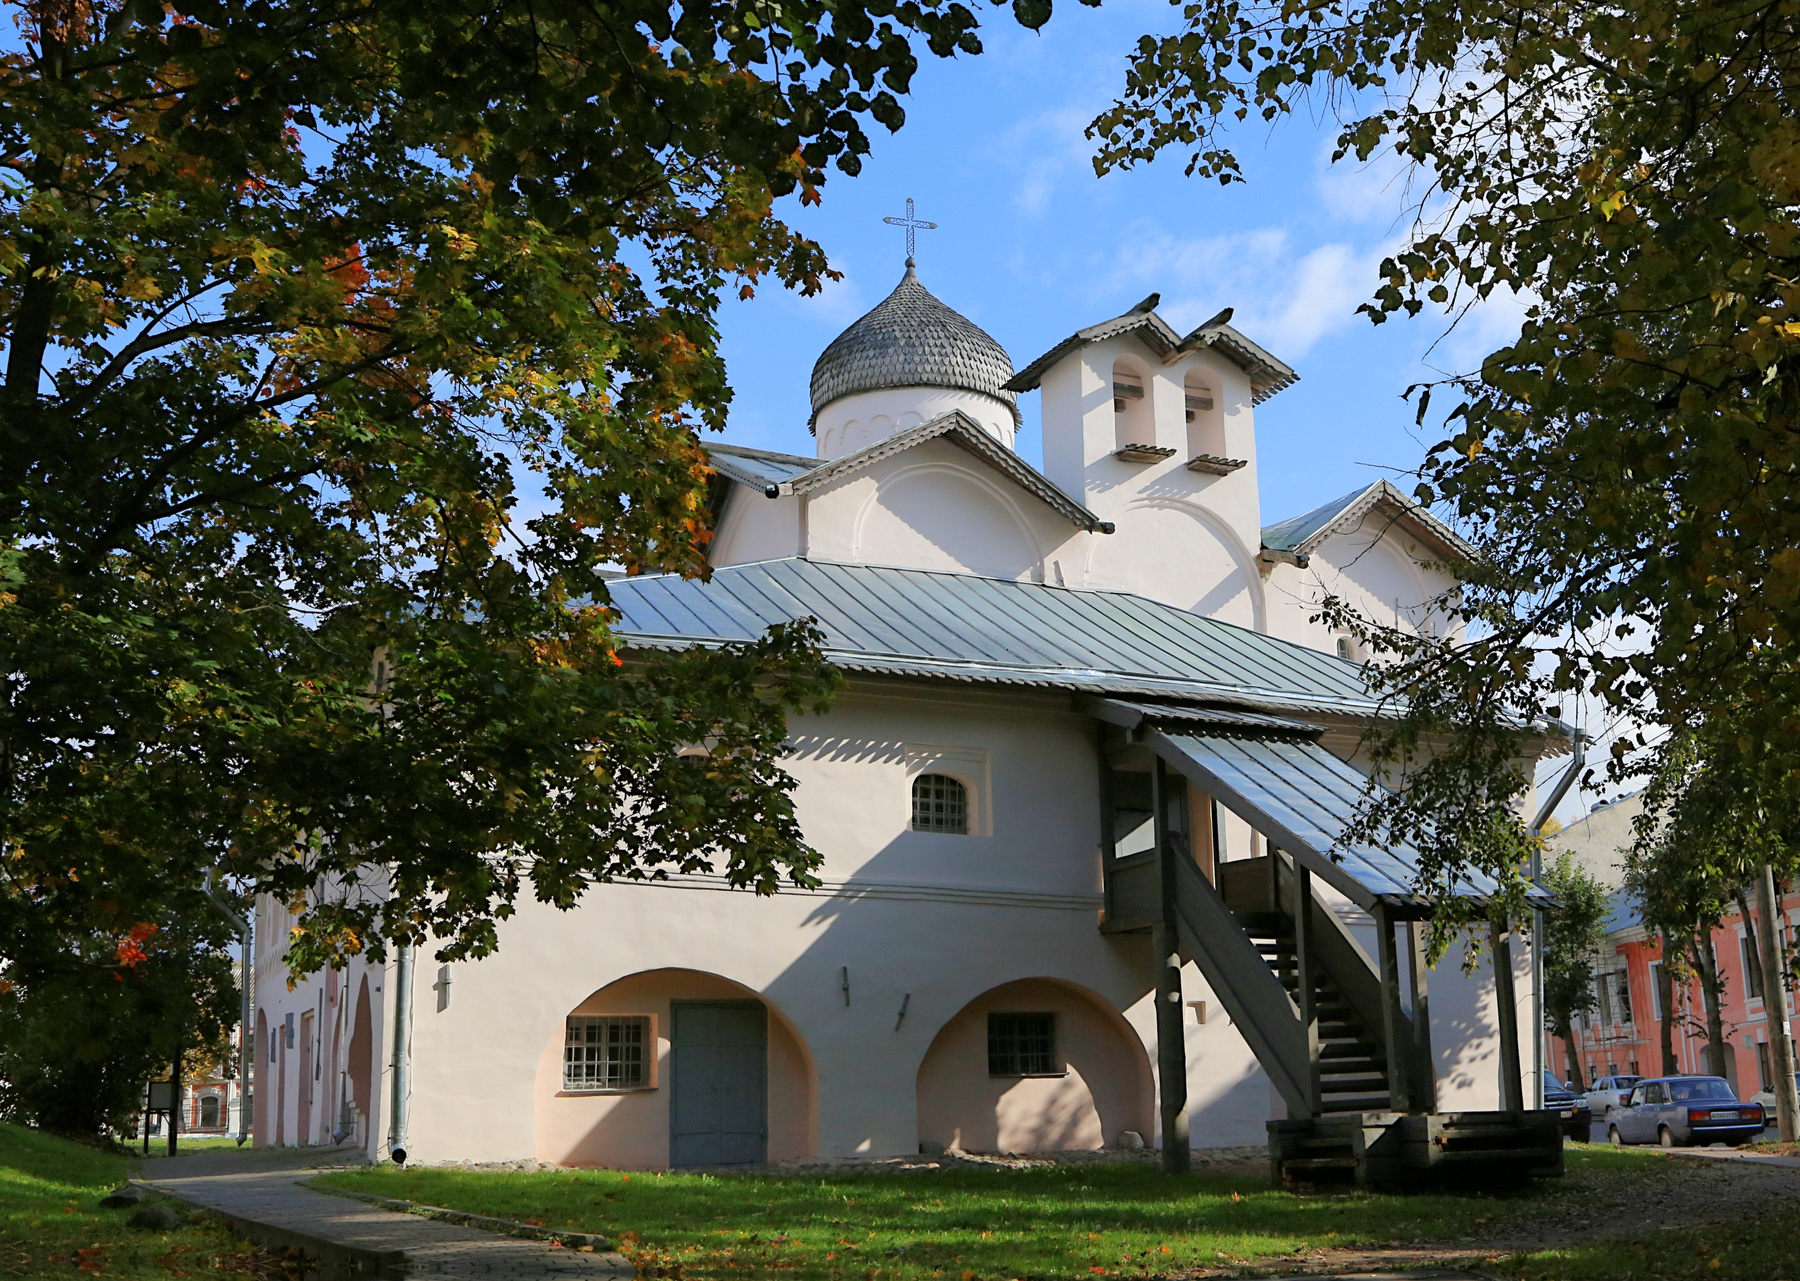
[[718, 1083]]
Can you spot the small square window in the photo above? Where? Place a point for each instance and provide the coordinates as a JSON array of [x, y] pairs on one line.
[[606, 1052], [1022, 1045]]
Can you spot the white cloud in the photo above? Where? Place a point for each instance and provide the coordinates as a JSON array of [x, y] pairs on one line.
[[1285, 298], [1378, 193]]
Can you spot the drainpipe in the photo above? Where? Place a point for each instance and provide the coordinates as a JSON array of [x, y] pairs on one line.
[[402, 1017], [1561, 789], [220, 904]]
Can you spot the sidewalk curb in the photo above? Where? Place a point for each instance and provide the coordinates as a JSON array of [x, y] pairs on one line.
[[333, 1254], [505, 1227]]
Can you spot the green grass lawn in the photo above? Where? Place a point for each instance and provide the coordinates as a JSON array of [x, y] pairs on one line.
[[1759, 1248], [1058, 1222], [52, 1226]]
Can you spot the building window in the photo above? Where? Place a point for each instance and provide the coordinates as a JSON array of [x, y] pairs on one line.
[[1656, 1009], [940, 804], [1752, 985], [1622, 996], [209, 1112], [1022, 1045], [606, 1052], [1765, 1071]]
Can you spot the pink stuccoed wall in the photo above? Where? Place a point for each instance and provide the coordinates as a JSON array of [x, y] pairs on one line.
[[1106, 1091], [631, 1130]]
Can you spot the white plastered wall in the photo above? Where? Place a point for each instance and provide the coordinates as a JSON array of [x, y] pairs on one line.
[[934, 506], [1186, 538], [1379, 566], [922, 921]]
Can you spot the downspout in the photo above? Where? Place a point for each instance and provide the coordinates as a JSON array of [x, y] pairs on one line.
[[1579, 738], [402, 1021], [223, 906]]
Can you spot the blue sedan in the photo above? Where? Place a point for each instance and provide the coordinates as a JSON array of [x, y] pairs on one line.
[[1680, 1111]]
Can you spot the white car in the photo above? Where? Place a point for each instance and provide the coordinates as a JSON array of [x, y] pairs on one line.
[[1767, 1099], [1608, 1094]]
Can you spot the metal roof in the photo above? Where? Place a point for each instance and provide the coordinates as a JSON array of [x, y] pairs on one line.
[[757, 468], [1301, 535], [910, 339], [941, 626], [1304, 799], [1268, 374]]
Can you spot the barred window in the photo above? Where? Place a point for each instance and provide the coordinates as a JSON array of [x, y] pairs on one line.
[[940, 804], [605, 1052], [1022, 1045]]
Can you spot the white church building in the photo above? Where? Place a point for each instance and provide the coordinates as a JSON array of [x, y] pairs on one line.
[[1089, 724]]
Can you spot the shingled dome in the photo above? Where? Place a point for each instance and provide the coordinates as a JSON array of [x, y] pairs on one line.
[[911, 339]]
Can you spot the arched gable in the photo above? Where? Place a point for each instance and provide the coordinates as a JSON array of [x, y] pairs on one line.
[[1180, 553]]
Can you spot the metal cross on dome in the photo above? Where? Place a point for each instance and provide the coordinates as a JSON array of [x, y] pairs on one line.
[[912, 225]]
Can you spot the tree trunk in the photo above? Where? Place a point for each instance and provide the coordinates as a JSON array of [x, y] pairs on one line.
[[1706, 965], [1576, 1081], [1665, 993]]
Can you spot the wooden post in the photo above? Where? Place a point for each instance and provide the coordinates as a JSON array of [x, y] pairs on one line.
[[1171, 1033], [1423, 1076], [1307, 995], [1775, 1002], [1393, 1034], [1109, 819], [174, 1101], [1506, 1008]]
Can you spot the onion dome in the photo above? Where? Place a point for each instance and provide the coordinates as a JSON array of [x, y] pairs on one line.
[[911, 339]]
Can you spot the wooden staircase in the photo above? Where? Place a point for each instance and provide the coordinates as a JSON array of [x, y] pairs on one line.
[[1353, 1070]]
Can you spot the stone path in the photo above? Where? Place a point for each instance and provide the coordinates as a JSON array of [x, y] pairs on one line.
[[257, 1194]]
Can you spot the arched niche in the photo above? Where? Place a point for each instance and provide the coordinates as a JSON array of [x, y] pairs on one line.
[[1134, 409], [1100, 1085], [260, 1083], [630, 1128], [941, 516], [360, 1058], [1202, 411]]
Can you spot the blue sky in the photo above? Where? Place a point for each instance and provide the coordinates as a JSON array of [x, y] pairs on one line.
[[1032, 246]]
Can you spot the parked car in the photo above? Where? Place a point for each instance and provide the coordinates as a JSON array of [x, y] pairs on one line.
[[1680, 1111], [1767, 1099], [1609, 1093], [1573, 1115]]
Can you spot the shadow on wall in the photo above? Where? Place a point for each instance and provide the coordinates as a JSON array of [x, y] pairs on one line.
[[629, 1129], [1100, 1088]]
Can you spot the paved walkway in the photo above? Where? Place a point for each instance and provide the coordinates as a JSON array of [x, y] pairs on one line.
[[1751, 1157], [257, 1193]]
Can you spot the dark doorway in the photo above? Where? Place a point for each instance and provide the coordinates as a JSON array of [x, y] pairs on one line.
[[718, 1083]]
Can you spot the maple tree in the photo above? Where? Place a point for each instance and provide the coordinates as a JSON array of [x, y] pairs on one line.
[[349, 347]]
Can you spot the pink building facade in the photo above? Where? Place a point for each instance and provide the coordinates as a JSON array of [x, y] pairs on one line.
[[1624, 1033]]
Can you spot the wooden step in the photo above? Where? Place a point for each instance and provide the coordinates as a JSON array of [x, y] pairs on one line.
[[1352, 1084], [1295, 1163], [1365, 1103]]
